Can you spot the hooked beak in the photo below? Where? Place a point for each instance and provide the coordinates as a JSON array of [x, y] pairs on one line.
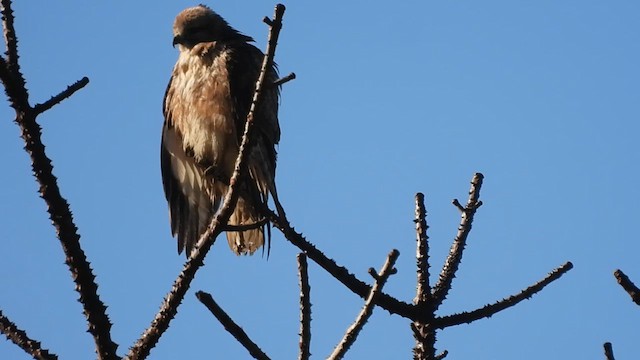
[[177, 40]]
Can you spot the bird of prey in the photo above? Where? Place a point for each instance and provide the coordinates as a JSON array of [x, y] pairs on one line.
[[205, 109]]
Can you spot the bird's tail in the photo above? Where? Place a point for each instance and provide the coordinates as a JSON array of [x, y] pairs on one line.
[[246, 241]]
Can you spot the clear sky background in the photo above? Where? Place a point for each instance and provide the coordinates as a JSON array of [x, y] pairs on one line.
[[391, 98]]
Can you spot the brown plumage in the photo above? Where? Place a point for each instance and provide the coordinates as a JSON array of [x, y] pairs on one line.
[[205, 108]]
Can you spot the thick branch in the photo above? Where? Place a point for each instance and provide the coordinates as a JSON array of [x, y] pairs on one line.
[[57, 207], [169, 308], [231, 327], [305, 308], [341, 273], [20, 338], [423, 290], [608, 351], [352, 332], [450, 267], [628, 285], [66, 93], [490, 310]]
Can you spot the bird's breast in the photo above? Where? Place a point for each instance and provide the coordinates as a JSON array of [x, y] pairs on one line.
[[200, 104]]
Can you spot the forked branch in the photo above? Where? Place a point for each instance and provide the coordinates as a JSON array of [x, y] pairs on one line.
[[352, 332], [450, 267], [57, 206]]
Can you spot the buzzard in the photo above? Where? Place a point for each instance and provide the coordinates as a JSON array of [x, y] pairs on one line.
[[205, 108]]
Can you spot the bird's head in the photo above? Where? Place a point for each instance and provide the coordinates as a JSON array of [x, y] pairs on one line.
[[200, 24]]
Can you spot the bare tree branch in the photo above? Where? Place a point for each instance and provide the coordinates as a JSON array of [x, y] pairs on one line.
[[628, 285], [305, 308], [490, 310], [169, 308], [341, 273], [57, 207], [66, 93], [231, 327], [20, 338], [450, 267], [11, 40], [284, 79], [423, 290], [608, 351], [352, 332]]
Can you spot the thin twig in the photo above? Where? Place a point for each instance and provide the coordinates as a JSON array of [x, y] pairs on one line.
[[20, 338], [284, 79], [57, 207], [450, 267], [492, 309], [169, 308], [340, 273], [628, 285], [423, 290], [305, 308], [352, 332], [231, 327], [66, 93], [608, 351]]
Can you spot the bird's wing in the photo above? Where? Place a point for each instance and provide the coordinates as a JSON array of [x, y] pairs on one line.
[[184, 184], [244, 68]]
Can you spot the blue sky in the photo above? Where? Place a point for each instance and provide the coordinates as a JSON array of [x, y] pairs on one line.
[[391, 99]]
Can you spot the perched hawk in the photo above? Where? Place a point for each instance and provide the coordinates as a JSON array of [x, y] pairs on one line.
[[205, 109]]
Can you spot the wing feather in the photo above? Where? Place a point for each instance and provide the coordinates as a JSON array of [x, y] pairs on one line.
[[183, 180]]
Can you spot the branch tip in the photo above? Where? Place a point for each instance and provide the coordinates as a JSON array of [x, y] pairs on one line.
[[608, 351], [284, 79], [628, 285], [232, 328], [55, 100]]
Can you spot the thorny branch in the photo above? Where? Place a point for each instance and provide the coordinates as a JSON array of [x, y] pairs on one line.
[[450, 267], [20, 338], [423, 290], [232, 328], [628, 285], [169, 308], [422, 312], [490, 310], [354, 330], [57, 206], [305, 308], [340, 273], [66, 93]]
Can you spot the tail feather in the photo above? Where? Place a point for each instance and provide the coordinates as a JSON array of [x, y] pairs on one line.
[[248, 241]]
